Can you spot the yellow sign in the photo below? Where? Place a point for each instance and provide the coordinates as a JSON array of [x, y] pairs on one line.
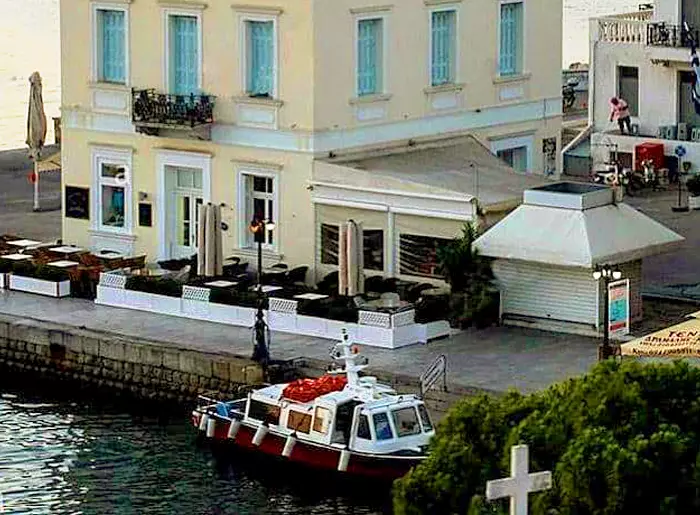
[[681, 340]]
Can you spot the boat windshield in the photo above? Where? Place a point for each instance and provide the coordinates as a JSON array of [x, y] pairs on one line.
[[363, 428], [382, 428], [406, 421], [425, 418]]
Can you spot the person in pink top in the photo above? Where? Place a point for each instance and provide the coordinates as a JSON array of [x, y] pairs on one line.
[[620, 111]]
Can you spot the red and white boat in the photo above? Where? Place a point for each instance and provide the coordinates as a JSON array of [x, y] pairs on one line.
[[340, 422]]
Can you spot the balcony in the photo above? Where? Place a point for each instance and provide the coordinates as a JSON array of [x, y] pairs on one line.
[[664, 43], [160, 113], [675, 36]]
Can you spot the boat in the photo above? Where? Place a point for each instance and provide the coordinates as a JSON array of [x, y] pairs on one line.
[[339, 422]]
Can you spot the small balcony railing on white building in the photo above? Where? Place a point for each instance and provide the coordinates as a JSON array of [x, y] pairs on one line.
[[638, 28]]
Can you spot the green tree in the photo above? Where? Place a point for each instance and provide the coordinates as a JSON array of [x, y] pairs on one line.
[[474, 299], [622, 439]]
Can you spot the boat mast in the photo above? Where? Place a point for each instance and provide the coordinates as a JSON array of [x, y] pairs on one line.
[[354, 362]]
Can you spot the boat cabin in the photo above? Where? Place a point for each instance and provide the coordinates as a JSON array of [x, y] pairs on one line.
[[384, 423]]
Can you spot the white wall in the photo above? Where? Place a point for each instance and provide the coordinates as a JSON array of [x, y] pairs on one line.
[[658, 86]]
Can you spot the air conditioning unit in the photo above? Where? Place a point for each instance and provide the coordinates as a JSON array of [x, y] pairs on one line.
[[671, 132], [695, 134], [683, 131]]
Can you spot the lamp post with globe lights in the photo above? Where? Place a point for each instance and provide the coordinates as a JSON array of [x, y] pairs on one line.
[[605, 274], [261, 352]]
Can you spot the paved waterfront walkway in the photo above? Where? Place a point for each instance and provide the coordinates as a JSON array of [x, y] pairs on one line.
[[492, 359]]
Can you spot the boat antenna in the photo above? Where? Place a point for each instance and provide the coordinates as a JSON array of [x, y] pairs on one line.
[[348, 353]]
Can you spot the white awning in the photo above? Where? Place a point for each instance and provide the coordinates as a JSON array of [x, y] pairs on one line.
[[614, 233]]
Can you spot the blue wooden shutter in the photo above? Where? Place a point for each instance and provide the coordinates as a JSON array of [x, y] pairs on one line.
[[113, 57], [260, 58], [511, 38], [184, 55], [443, 47], [369, 48]]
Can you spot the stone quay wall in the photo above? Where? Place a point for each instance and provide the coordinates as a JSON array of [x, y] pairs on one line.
[[144, 368], [161, 370]]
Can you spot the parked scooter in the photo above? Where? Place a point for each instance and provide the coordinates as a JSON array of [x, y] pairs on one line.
[[613, 176], [568, 93]]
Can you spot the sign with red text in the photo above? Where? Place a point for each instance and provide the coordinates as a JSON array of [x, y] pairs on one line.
[[619, 307]]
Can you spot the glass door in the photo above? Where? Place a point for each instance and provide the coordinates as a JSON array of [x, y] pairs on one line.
[[186, 224]]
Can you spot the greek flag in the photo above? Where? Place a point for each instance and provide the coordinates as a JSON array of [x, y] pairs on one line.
[[695, 64]]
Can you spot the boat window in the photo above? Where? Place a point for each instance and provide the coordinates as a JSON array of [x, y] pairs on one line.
[[321, 419], [406, 421], [425, 418], [363, 428], [297, 421], [268, 413], [382, 427]]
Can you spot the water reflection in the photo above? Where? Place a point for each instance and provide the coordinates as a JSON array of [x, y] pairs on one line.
[[89, 457]]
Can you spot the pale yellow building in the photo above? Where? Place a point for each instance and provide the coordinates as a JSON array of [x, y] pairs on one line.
[[257, 106]]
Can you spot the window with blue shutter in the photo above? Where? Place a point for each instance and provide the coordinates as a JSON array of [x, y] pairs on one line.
[[260, 58], [112, 56], [184, 55], [512, 40], [443, 47], [369, 56]]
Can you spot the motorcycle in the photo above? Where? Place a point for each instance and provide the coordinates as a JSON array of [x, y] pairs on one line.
[[612, 176], [568, 93]]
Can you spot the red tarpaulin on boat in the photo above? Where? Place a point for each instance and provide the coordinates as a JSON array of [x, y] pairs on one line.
[[305, 390]]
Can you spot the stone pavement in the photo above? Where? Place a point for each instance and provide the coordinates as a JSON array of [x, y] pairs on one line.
[[16, 198], [493, 359], [675, 274]]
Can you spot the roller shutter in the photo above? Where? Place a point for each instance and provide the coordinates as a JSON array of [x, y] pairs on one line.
[[546, 292]]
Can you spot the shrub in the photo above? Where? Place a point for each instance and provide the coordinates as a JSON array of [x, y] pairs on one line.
[[156, 285], [622, 439], [233, 297], [45, 272], [693, 185]]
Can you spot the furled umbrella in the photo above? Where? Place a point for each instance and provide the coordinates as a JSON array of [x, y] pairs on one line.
[[36, 129], [218, 243], [201, 240]]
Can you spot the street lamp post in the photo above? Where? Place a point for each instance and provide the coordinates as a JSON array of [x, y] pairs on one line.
[[261, 351], [606, 274]]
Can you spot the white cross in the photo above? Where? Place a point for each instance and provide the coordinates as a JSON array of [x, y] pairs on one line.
[[520, 483]]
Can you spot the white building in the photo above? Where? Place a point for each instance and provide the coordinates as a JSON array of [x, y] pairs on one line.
[[644, 57]]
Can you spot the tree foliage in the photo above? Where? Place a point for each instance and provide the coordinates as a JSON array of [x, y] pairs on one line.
[[474, 299], [622, 439]]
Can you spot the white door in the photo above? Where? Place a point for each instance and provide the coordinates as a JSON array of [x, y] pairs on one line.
[[185, 200]]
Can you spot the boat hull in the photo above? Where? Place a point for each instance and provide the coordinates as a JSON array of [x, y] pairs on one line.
[[385, 467]]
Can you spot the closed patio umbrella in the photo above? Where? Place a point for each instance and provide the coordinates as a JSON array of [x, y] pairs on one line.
[[352, 258], [360, 258], [218, 242], [201, 240], [343, 259], [36, 129], [210, 242]]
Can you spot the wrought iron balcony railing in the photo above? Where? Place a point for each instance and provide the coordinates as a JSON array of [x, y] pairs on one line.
[[663, 34], [150, 107]]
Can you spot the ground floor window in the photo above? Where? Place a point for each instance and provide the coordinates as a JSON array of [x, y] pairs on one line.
[[259, 202], [112, 191], [514, 157], [373, 240], [418, 255]]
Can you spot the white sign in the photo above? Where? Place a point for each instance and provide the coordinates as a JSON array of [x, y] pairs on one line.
[[520, 483], [619, 307]]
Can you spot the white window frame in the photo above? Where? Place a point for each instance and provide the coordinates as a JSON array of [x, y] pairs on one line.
[[498, 45], [385, 51], [166, 14], [245, 240], [243, 45], [456, 78], [96, 44], [513, 143], [118, 157]]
